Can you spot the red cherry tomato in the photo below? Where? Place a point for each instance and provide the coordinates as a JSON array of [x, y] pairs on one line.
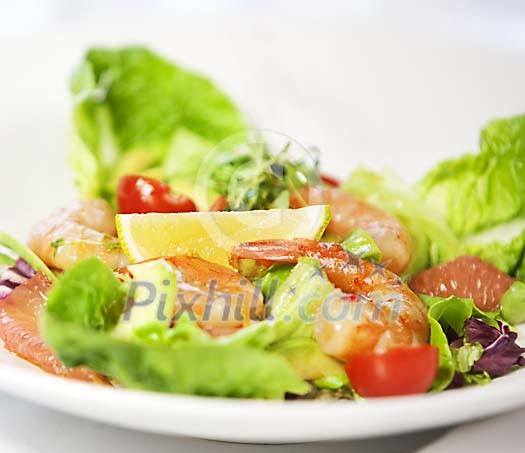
[[400, 371], [141, 195], [330, 180], [220, 204]]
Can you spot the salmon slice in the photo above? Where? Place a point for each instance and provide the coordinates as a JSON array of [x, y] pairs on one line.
[[465, 277], [19, 314]]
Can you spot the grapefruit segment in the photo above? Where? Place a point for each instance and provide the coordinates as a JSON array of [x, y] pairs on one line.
[[19, 331], [467, 277]]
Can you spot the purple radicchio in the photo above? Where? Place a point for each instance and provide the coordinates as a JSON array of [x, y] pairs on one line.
[[500, 350], [11, 277]]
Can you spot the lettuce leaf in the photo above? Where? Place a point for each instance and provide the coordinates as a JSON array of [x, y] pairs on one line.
[[478, 191], [135, 112], [84, 307], [474, 204], [187, 367], [433, 241], [443, 314], [513, 303], [466, 355], [89, 296], [482, 196], [503, 246], [449, 318]]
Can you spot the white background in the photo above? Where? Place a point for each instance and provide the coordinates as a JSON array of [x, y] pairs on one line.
[[498, 23]]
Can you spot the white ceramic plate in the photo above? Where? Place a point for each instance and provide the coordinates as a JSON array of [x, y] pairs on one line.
[[362, 94]]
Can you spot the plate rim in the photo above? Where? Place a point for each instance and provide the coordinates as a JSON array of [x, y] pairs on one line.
[[313, 420]]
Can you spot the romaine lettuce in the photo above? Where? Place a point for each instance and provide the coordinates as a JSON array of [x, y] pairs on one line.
[[482, 196], [474, 204], [135, 112], [513, 303], [443, 314], [84, 307]]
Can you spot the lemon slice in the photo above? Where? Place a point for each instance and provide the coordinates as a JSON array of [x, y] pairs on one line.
[[212, 235]]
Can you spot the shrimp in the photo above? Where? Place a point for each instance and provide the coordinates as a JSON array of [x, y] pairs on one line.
[[374, 310], [80, 230], [350, 213], [220, 299]]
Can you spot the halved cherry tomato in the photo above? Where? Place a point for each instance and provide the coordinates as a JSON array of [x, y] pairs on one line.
[[330, 180], [400, 371], [141, 195], [220, 204]]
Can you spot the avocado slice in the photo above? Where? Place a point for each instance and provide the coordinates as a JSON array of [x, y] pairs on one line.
[[151, 297]]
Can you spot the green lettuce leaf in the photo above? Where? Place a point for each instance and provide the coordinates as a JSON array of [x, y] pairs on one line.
[[477, 378], [187, 367], [84, 307], [135, 112], [503, 246], [482, 196], [88, 296], [433, 241], [474, 204], [513, 303], [466, 355], [442, 314], [446, 314], [333, 382]]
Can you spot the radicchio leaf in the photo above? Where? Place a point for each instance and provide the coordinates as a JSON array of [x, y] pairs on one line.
[[500, 350]]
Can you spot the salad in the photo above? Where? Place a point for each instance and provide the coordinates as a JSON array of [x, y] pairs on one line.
[[201, 258]]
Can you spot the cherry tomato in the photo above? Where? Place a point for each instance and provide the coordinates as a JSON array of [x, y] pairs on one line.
[[330, 180], [220, 204], [140, 195], [400, 371]]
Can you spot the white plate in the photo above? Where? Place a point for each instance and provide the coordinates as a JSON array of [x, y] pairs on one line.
[[362, 94]]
